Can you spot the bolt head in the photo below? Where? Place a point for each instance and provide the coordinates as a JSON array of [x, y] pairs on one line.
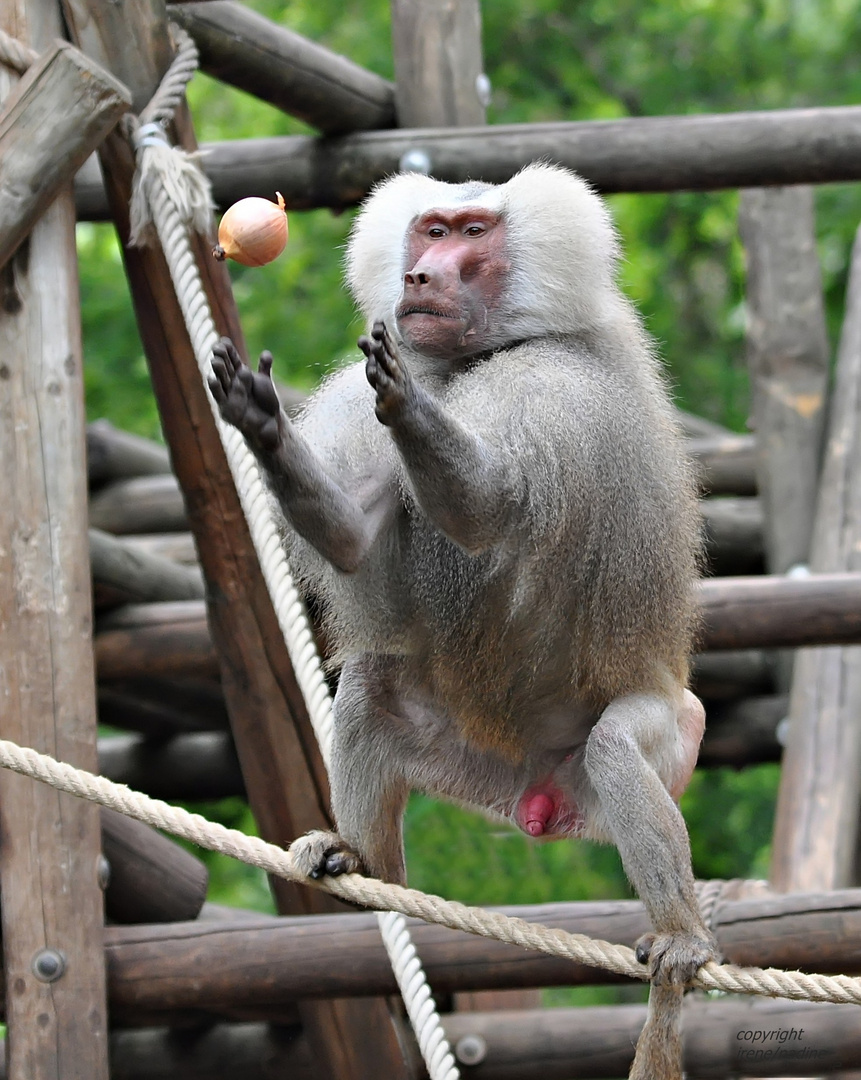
[[470, 1050], [415, 161], [48, 965]]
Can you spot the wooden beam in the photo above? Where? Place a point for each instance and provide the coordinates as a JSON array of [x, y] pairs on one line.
[[139, 504], [718, 1038], [787, 346], [780, 612], [296, 75], [256, 966], [113, 454], [160, 708], [732, 530], [189, 766], [737, 613], [221, 1052], [591, 1042], [816, 827], [50, 898], [744, 732], [281, 764], [657, 153], [439, 72], [725, 464], [151, 878], [156, 640], [131, 576], [54, 119]]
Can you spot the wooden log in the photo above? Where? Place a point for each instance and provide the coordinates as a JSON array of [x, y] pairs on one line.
[[252, 967], [659, 153], [133, 576], [698, 427], [725, 464], [733, 535], [148, 504], [439, 71], [565, 1043], [252, 1051], [141, 504], [159, 708], [57, 115], [151, 879], [178, 547], [737, 613], [778, 611], [744, 732], [816, 827], [787, 347], [792, 1039], [50, 900], [113, 454], [142, 640], [187, 767], [283, 770], [725, 676], [296, 75]]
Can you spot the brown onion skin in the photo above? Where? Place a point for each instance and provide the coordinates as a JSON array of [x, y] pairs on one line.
[[252, 232]]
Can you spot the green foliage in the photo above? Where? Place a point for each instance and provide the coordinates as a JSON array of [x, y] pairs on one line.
[[464, 856]]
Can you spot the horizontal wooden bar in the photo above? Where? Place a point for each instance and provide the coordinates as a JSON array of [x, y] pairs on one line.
[[738, 613], [546, 1044], [253, 967], [191, 765], [113, 454], [122, 574], [750, 1037], [656, 153], [781, 612], [725, 464], [296, 75]]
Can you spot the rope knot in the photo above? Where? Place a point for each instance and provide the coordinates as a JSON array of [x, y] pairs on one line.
[[164, 170]]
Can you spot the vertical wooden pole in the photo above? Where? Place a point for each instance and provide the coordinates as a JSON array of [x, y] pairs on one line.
[[787, 346], [284, 774], [52, 912], [439, 72], [817, 811]]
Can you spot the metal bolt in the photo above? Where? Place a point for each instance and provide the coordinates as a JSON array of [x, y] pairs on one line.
[[103, 872], [470, 1050], [415, 161], [484, 89], [48, 965]]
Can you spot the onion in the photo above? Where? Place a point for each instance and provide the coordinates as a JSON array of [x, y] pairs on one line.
[[252, 232]]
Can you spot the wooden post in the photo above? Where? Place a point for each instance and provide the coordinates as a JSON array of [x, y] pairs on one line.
[[787, 348], [439, 73], [817, 810], [58, 114], [51, 902], [283, 771]]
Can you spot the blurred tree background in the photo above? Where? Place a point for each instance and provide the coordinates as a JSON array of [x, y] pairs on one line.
[[548, 60]]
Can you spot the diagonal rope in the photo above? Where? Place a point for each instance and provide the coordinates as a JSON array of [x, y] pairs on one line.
[[15, 54], [368, 892], [168, 192]]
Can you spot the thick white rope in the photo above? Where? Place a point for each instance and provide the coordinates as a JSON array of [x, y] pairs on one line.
[[368, 892], [160, 188], [14, 54]]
